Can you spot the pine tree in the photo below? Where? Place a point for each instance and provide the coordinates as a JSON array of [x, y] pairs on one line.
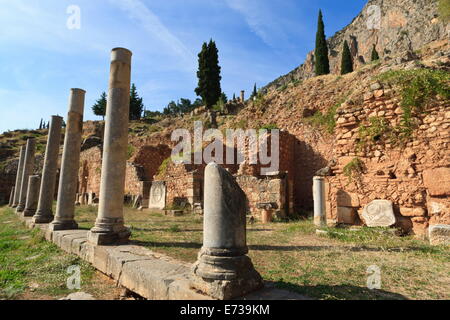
[[322, 64], [209, 75], [136, 104], [99, 108], [375, 55], [347, 61]]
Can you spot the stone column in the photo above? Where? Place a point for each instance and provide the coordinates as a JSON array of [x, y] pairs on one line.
[[320, 218], [32, 196], [44, 213], [28, 168], [242, 96], [223, 270], [67, 190], [109, 227], [11, 197], [19, 177]]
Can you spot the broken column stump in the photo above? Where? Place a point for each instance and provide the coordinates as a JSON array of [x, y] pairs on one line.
[[223, 269]]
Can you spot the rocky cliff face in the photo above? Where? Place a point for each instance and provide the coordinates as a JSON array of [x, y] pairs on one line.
[[393, 26]]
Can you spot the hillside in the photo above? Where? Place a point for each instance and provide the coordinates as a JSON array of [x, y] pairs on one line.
[[403, 28]]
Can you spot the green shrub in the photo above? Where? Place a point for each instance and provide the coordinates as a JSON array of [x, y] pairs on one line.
[[326, 120], [444, 10], [419, 87], [354, 167]]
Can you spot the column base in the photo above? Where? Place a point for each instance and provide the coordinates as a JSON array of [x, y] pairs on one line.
[[42, 218], [29, 213], [62, 225], [20, 208], [108, 238], [225, 277], [14, 206]]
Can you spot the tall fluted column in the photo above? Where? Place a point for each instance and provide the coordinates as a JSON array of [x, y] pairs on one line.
[[32, 196], [28, 167], [44, 212], [65, 206], [109, 226], [19, 177]]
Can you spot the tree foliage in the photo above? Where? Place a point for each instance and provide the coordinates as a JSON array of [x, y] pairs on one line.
[[209, 74], [347, 61], [322, 64]]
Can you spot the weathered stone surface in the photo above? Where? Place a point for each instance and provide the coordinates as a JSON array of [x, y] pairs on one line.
[[67, 190], [379, 213], [412, 212], [437, 181], [223, 271], [32, 196], [157, 195], [320, 218], [28, 167], [19, 177], [346, 199], [439, 234], [44, 213], [79, 296], [109, 227], [346, 215]]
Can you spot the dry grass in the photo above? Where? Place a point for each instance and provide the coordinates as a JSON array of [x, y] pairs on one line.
[[294, 257]]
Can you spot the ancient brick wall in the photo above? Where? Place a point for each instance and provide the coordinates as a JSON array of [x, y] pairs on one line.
[[271, 189], [414, 174], [89, 174]]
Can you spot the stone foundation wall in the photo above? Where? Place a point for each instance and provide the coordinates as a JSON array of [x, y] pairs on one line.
[[414, 174], [272, 189]]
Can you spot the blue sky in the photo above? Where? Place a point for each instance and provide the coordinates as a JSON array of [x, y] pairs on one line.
[[41, 59]]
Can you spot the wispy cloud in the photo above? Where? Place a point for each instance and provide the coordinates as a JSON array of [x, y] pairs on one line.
[[261, 20], [151, 23]]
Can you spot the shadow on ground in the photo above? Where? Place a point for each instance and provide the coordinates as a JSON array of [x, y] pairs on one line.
[[340, 292]]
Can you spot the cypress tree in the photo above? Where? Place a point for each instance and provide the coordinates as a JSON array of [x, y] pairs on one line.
[[375, 55], [347, 62], [40, 124], [322, 64], [136, 104], [255, 92], [99, 108], [209, 75]]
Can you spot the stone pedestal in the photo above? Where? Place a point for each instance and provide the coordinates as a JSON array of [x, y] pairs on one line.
[[223, 270], [32, 196], [44, 213], [242, 96], [19, 177], [28, 167], [320, 216], [65, 207], [266, 216], [109, 227]]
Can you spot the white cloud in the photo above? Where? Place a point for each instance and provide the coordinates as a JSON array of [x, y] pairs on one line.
[[261, 20], [150, 22]]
